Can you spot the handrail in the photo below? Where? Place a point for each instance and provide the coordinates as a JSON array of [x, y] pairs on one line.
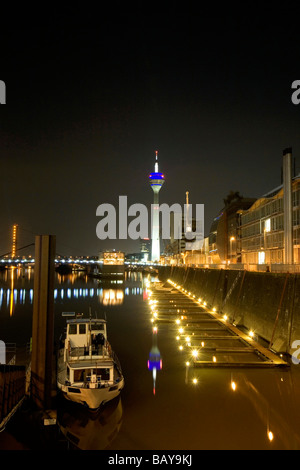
[[79, 351], [12, 388]]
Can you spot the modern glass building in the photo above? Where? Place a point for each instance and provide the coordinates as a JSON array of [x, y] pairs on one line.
[[262, 228]]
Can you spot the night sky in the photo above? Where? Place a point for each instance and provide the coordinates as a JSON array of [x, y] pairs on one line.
[[91, 96]]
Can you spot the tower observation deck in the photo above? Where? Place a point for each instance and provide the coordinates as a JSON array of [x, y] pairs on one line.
[[156, 181]]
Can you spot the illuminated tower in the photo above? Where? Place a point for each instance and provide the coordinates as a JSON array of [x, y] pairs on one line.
[[14, 241], [156, 181]]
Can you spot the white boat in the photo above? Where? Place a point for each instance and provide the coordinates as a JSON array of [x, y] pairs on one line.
[[88, 371]]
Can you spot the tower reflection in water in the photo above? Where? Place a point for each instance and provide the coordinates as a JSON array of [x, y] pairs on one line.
[[86, 430], [155, 360]]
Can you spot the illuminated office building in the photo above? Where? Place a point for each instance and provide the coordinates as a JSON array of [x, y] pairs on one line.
[[262, 230]]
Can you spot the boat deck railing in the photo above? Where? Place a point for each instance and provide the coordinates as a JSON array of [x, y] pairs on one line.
[[81, 353], [100, 383], [116, 360]]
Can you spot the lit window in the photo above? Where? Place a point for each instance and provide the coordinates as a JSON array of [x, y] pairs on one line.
[[268, 225], [261, 257]]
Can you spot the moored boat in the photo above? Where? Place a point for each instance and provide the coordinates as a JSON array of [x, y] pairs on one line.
[[88, 371]]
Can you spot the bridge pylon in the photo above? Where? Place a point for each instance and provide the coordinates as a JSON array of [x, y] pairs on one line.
[[14, 240]]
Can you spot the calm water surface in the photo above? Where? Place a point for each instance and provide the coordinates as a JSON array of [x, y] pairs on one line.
[[167, 410]]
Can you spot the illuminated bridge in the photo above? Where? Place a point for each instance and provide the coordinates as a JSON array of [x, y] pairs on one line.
[[68, 262], [30, 261]]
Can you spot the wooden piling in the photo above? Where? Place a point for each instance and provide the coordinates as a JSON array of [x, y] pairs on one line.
[[43, 321]]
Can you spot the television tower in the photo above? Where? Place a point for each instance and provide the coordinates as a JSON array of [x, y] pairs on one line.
[[156, 181]]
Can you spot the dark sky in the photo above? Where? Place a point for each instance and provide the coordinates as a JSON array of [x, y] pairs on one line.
[[91, 96]]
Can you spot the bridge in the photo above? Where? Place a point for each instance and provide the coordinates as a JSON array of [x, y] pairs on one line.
[[8, 262], [63, 263]]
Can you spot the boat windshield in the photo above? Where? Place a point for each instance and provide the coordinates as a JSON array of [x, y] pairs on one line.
[[96, 326]]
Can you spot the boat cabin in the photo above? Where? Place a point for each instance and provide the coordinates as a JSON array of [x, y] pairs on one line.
[[81, 332], [85, 337], [90, 375], [85, 343]]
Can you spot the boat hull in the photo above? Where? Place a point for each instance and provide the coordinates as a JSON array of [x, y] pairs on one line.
[[92, 398]]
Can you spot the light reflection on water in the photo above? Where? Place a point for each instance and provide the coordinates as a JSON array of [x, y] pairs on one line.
[[191, 408], [90, 430], [10, 295], [77, 292], [155, 359]]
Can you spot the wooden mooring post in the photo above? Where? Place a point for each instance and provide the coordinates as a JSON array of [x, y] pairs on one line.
[[43, 322]]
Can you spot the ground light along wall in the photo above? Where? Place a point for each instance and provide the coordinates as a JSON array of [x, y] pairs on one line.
[[266, 303]]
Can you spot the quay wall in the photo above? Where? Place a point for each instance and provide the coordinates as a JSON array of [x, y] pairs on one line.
[[267, 303]]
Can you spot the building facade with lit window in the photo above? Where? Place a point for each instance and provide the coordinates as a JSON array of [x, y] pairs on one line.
[[113, 262], [224, 237], [179, 248], [262, 228], [145, 249]]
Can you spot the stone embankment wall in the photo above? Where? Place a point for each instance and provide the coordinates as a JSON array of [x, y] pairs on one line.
[[267, 303]]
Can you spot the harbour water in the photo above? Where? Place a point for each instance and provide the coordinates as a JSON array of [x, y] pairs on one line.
[[165, 404]]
